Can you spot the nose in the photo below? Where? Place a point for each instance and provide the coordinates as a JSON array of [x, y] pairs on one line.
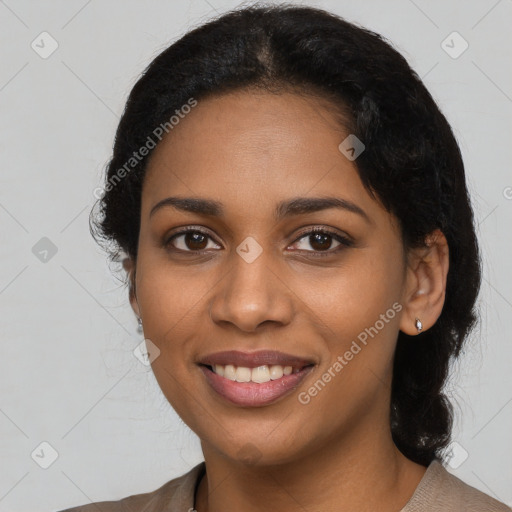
[[252, 294]]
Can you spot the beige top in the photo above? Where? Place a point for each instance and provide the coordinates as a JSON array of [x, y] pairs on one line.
[[438, 491]]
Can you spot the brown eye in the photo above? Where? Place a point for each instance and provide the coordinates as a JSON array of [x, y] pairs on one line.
[[190, 241], [195, 241], [322, 240]]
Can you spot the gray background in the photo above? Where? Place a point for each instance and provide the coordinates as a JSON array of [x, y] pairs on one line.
[[68, 373]]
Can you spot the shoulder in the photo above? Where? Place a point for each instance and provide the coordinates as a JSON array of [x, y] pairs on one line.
[[177, 494], [442, 491], [468, 497]]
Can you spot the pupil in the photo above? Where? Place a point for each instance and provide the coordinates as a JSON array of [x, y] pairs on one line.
[[195, 240], [320, 239]]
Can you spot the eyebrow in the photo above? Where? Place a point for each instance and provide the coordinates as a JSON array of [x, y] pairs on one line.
[[294, 206]]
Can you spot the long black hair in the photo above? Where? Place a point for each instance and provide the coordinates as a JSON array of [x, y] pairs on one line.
[[412, 164]]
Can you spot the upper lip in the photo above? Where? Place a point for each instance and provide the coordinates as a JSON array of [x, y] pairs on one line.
[[254, 359]]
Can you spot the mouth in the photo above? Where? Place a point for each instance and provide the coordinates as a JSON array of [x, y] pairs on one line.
[[254, 379], [259, 374]]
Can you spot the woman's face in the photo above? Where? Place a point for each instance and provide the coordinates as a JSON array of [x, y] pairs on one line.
[[252, 277]]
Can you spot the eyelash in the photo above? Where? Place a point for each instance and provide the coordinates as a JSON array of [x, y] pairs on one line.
[[344, 241]]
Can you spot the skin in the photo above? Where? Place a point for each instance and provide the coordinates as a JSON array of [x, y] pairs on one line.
[[250, 151]]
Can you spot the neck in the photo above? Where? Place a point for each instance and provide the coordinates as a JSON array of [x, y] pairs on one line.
[[363, 471]]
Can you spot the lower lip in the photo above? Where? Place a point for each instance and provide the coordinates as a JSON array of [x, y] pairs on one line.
[[252, 394]]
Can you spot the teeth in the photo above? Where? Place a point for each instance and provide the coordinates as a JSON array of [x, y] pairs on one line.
[[260, 374], [276, 372], [229, 372], [243, 374]]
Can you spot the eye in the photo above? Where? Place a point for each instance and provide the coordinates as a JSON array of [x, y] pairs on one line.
[[190, 240], [321, 240]]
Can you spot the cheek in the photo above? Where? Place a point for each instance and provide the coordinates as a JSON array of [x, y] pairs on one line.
[[352, 298], [359, 312], [170, 296], [359, 309], [170, 302]]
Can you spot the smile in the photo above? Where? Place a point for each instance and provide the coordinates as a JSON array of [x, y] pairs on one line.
[[254, 380]]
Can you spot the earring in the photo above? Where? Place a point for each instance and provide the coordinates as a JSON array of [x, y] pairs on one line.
[[418, 324], [139, 327]]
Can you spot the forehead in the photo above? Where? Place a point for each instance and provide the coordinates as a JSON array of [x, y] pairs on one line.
[[246, 147]]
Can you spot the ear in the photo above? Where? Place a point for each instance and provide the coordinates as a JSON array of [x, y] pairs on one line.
[[129, 266], [425, 287]]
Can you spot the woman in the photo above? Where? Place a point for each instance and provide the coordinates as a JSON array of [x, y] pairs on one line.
[[302, 258]]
